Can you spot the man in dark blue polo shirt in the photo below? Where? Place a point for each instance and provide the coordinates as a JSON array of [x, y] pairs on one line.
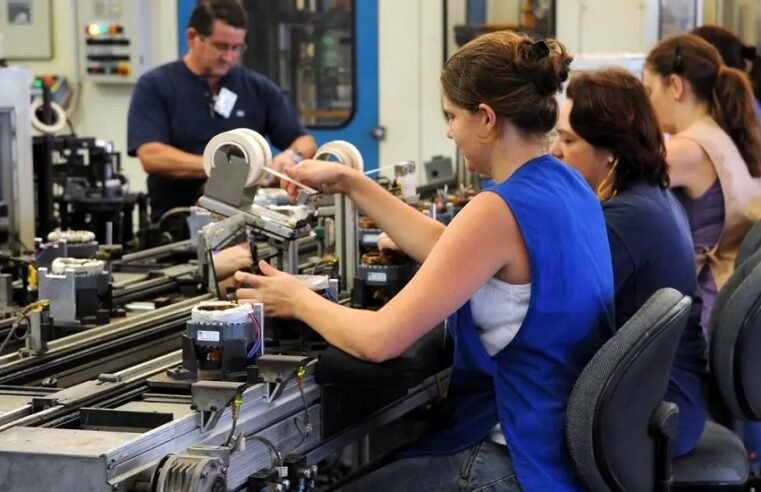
[[178, 107]]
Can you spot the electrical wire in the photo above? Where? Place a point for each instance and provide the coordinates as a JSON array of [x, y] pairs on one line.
[[305, 431], [278, 461], [71, 127], [22, 315], [7, 338], [307, 426], [235, 412], [329, 295], [258, 342], [232, 432]]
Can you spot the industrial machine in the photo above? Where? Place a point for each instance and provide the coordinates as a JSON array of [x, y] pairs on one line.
[[186, 392], [16, 177], [80, 186], [221, 341], [380, 274]]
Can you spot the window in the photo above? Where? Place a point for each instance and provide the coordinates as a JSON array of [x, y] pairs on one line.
[[307, 48]]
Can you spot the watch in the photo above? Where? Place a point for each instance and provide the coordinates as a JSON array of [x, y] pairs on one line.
[[297, 156]]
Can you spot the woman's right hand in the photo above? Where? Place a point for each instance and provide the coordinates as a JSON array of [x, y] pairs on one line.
[[385, 242], [328, 177]]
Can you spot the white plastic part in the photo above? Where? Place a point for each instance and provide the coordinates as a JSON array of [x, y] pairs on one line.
[[72, 237], [221, 312], [60, 118], [77, 265]]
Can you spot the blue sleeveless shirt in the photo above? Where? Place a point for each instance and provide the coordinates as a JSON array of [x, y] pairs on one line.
[[526, 386]]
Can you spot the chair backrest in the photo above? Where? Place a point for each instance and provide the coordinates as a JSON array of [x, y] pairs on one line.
[[751, 243], [612, 403], [735, 331]]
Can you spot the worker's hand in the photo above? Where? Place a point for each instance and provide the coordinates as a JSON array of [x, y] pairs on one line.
[[232, 259], [385, 242], [284, 160], [328, 177], [279, 292]]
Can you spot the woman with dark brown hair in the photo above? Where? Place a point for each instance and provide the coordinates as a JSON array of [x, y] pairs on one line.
[[715, 152], [523, 330], [735, 53], [607, 130]]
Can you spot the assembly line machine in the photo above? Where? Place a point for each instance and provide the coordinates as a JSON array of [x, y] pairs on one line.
[[140, 372]]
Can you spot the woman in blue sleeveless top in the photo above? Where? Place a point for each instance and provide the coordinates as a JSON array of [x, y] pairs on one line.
[[608, 131], [525, 268]]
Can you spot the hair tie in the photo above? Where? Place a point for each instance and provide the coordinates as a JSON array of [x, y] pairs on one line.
[[540, 49], [748, 52]]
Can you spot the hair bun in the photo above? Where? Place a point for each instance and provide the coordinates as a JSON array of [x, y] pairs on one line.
[[748, 52], [552, 64]]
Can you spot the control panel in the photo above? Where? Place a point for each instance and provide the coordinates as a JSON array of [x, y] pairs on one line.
[[114, 39], [60, 91]]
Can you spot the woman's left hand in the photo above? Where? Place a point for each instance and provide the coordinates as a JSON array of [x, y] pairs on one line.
[[278, 291]]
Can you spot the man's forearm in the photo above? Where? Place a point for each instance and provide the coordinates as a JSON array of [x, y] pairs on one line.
[[165, 160]]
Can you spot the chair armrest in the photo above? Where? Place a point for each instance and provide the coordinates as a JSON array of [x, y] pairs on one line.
[[664, 424]]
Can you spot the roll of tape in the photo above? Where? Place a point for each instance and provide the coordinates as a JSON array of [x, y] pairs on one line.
[[60, 118], [343, 152], [248, 143]]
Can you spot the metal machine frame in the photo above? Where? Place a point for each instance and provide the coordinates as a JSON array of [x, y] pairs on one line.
[[16, 169]]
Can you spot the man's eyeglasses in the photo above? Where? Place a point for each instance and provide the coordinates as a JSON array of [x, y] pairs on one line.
[[237, 49]]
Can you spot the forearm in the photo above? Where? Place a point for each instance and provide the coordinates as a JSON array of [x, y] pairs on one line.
[[413, 232], [355, 331], [165, 160]]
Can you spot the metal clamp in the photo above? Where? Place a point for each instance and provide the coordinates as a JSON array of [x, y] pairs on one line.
[[277, 370], [210, 398]]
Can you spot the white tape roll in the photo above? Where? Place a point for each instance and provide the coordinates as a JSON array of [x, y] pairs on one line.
[[250, 144], [77, 265], [221, 312], [60, 118], [342, 151]]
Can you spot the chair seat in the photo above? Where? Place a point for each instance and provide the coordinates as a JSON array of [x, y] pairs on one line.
[[719, 458]]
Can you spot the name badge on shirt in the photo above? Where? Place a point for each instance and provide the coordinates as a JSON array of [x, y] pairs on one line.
[[225, 102]]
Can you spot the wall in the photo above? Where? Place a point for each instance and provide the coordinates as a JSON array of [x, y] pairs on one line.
[[101, 109], [503, 12], [608, 26], [411, 56]]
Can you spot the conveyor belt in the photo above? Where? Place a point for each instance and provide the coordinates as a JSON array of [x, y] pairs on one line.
[[108, 347]]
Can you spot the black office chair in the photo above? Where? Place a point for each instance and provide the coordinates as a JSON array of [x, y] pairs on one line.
[[618, 430], [750, 244], [720, 460]]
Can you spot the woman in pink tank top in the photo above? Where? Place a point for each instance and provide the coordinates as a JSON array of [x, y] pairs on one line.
[[715, 151]]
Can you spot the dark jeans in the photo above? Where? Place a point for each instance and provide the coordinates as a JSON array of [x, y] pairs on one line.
[[484, 467]]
